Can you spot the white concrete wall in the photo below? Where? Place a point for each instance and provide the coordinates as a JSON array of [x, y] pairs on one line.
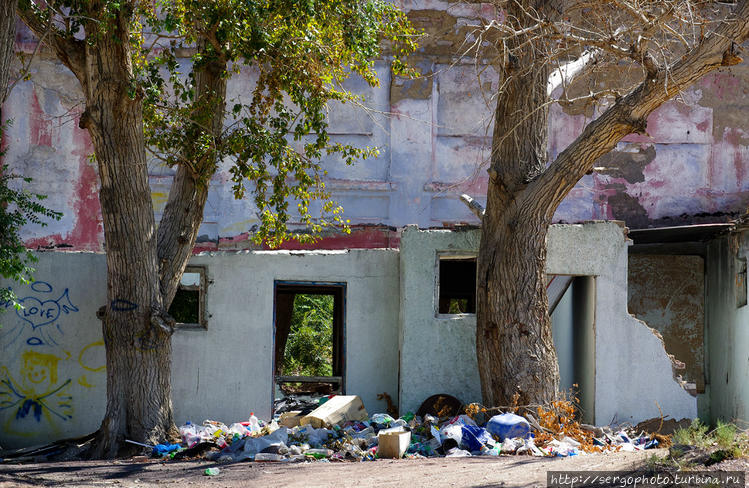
[[633, 371], [727, 332], [223, 372], [634, 375]]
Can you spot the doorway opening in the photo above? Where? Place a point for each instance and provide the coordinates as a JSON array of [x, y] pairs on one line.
[[572, 305], [308, 339]]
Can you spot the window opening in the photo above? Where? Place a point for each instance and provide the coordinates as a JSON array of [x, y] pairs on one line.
[[457, 285], [188, 306], [309, 339]]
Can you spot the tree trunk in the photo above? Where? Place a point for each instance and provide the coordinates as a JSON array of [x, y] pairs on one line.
[[136, 329], [183, 214], [7, 45], [514, 348], [516, 355]]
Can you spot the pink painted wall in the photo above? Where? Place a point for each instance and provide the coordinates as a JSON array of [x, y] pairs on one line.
[[692, 168]]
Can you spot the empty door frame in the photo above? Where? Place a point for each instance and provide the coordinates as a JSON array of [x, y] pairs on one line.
[[338, 291]]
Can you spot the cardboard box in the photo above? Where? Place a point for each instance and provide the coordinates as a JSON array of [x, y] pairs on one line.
[[393, 444], [290, 419], [338, 409]]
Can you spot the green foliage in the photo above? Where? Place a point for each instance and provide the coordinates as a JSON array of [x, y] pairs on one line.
[[17, 208], [725, 434], [309, 348], [275, 134], [731, 442], [694, 435]]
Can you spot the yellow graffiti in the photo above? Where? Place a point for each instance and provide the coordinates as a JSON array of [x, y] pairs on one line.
[[84, 362], [239, 227], [36, 401], [159, 200], [87, 360]]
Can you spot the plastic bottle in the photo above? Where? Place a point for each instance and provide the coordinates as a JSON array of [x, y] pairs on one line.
[[268, 456], [253, 424], [189, 434]]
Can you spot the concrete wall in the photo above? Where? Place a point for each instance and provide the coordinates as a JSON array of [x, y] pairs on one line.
[[223, 372], [727, 331], [52, 368], [433, 147], [437, 353]]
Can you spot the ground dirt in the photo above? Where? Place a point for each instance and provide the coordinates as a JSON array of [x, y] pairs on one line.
[[503, 471]]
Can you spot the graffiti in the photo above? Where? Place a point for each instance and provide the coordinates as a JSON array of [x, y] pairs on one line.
[[85, 358], [37, 400], [39, 315], [90, 359], [120, 305]]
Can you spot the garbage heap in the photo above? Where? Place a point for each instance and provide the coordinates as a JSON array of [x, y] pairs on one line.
[[340, 429]]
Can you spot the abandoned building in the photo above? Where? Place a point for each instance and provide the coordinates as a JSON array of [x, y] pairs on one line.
[[646, 265]]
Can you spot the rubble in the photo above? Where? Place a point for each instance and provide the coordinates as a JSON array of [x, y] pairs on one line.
[[339, 429]]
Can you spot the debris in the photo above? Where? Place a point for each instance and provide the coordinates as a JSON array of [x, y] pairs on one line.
[[291, 419], [440, 406], [162, 450], [211, 471], [508, 425], [393, 443], [336, 410], [339, 429], [664, 426]]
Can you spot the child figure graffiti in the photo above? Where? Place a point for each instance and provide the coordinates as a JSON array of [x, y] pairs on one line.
[[38, 403]]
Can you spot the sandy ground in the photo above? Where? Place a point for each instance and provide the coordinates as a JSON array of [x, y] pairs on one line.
[[503, 471]]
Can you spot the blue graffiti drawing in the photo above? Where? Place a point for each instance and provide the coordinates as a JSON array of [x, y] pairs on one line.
[[39, 313], [121, 305]]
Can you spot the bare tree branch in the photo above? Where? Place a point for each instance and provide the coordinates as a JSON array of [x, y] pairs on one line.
[[69, 50], [629, 114]]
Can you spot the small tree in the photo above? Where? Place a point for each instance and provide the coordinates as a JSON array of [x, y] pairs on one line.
[[655, 48], [17, 208], [123, 53]]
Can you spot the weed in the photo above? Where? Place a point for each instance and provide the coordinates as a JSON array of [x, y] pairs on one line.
[[694, 435]]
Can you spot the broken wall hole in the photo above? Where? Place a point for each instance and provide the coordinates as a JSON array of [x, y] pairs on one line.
[[667, 292], [308, 339], [456, 284]]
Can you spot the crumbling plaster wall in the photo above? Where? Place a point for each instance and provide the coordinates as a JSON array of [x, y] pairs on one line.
[[434, 145], [727, 331], [438, 353], [223, 372]]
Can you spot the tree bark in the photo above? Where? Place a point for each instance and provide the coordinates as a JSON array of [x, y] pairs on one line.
[[7, 45]]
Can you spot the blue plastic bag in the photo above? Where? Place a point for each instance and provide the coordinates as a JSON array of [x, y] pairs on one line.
[[475, 437], [508, 426], [164, 449]]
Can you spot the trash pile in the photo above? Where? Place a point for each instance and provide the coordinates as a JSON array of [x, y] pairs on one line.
[[340, 429]]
